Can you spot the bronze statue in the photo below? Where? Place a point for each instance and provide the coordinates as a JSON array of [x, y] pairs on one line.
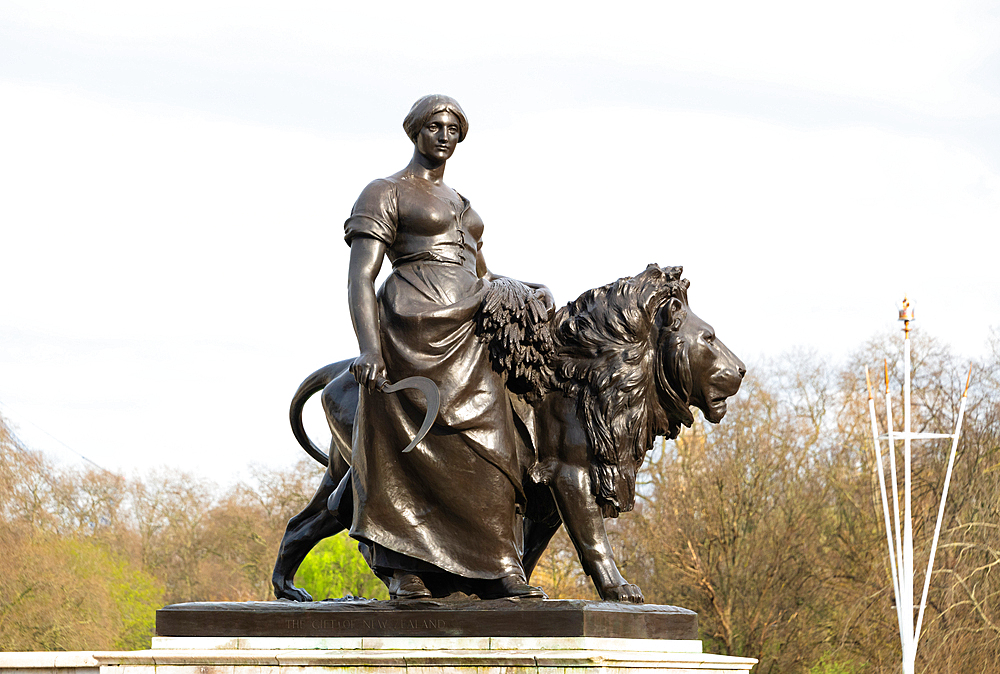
[[544, 416]]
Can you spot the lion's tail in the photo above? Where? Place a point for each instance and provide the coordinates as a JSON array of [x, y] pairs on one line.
[[312, 384]]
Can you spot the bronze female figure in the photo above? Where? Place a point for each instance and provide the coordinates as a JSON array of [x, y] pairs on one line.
[[447, 515]]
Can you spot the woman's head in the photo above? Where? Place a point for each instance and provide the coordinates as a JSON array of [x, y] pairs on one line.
[[427, 107]]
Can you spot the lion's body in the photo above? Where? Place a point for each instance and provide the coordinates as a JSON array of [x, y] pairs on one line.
[[628, 359]]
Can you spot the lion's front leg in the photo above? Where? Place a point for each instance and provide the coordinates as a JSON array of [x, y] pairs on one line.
[[571, 488]]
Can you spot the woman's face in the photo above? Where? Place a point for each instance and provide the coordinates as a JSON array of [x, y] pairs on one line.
[[439, 136]]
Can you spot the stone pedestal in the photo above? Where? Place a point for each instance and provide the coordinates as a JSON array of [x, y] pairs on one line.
[[504, 637], [417, 655]]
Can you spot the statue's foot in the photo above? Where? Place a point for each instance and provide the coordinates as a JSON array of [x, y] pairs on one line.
[[407, 586], [283, 589], [625, 592], [514, 586]]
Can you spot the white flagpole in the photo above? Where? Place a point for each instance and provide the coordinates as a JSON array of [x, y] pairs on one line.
[[895, 493], [885, 500], [909, 654], [940, 517]]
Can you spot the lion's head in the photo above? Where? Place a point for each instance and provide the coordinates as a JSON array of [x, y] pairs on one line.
[[694, 368], [636, 357]]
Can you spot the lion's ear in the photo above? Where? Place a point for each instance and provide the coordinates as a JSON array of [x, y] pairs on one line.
[[672, 314]]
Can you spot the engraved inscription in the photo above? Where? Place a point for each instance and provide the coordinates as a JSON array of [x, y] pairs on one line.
[[356, 625]]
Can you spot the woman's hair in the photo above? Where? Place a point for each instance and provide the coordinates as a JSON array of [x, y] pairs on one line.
[[429, 106]]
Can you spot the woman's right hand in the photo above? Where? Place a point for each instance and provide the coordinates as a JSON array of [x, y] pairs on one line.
[[369, 370]]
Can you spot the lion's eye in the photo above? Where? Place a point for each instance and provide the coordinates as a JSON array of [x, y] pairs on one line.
[[710, 338]]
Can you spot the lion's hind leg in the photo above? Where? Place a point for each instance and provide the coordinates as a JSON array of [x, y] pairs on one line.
[[304, 531], [540, 525]]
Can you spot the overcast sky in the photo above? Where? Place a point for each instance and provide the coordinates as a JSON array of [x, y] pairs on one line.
[[173, 183]]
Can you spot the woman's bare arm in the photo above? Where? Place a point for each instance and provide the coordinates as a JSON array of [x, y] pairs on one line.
[[366, 262]]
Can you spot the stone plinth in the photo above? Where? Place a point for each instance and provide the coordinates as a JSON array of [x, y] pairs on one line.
[[416, 655]]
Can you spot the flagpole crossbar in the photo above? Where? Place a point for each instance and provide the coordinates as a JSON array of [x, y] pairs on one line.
[[902, 435]]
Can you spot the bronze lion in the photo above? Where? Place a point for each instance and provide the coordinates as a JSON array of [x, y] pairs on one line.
[[614, 369]]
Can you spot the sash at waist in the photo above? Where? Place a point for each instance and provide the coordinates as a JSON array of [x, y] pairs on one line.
[[432, 256]]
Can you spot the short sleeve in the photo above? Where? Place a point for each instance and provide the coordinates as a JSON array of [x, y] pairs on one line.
[[375, 214]]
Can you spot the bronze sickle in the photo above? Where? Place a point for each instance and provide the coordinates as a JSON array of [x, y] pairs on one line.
[[432, 396]]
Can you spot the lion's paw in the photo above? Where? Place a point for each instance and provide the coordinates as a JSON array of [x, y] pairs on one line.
[[285, 590], [625, 593]]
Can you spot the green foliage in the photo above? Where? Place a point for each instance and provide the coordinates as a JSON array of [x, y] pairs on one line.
[[336, 569], [137, 595], [72, 593], [826, 665]]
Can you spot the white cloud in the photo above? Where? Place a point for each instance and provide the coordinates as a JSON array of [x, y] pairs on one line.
[[924, 55]]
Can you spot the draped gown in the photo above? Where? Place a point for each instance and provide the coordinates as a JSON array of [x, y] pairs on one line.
[[455, 502]]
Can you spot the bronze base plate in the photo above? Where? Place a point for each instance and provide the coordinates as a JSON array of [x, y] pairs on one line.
[[427, 618]]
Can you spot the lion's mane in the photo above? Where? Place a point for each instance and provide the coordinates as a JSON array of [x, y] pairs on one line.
[[616, 350], [631, 381]]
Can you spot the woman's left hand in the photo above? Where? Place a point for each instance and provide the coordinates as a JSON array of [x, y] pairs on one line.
[[548, 300]]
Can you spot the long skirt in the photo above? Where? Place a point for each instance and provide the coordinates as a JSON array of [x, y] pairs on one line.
[[455, 501]]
